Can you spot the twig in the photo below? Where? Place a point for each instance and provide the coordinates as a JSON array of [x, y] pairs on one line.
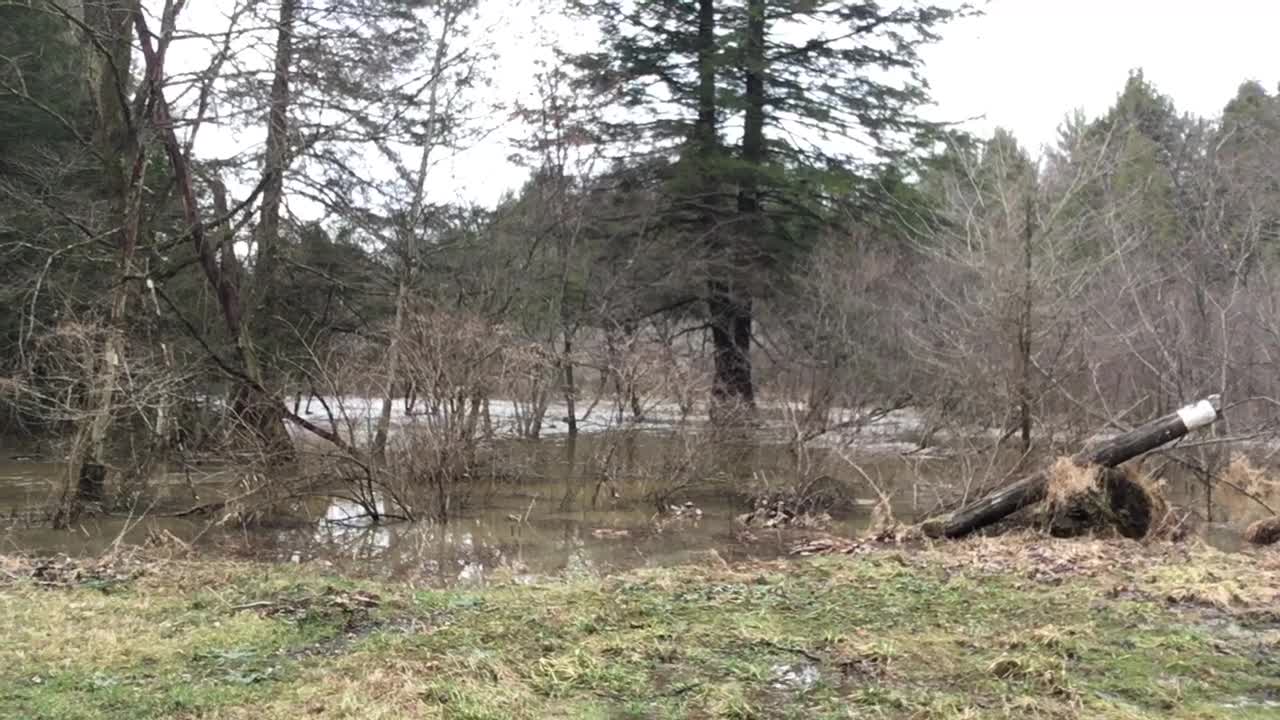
[[798, 651]]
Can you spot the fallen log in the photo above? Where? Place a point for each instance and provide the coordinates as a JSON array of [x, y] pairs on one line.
[[1110, 453]]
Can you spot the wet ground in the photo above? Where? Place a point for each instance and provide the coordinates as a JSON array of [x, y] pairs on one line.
[[560, 517]]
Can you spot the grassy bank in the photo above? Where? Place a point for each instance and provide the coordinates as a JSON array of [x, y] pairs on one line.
[[1029, 628]]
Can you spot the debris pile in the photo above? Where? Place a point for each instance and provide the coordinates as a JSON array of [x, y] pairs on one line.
[[62, 571]]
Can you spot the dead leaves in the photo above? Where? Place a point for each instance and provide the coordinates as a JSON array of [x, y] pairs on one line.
[[329, 600], [65, 572]]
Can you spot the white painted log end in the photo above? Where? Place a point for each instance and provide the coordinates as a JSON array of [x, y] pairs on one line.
[[1198, 415]]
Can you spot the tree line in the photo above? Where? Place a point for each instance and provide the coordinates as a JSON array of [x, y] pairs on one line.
[[729, 206]]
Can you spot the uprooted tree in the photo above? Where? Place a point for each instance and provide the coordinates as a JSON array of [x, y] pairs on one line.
[[1119, 496]]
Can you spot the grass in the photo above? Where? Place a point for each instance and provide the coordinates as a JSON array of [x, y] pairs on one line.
[[1020, 628]]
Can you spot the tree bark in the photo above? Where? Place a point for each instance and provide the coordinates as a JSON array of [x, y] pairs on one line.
[[248, 402], [1032, 489], [570, 387], [122, 161], [705, 126], [275, 162], [728, 310], [219, 275], [1024, 331], [731, 303], [732, 390], [255, 409]]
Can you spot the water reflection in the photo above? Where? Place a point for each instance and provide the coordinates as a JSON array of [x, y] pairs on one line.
[[487, 544], [581, 506]]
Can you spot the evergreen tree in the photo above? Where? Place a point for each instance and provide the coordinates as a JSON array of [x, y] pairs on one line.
[[822, 94]]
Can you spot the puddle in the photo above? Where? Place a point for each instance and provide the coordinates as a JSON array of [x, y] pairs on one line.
[[1250, 704], [794, 677]]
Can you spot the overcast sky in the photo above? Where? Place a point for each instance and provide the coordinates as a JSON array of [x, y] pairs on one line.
[[1023, 65], [1027, 63]]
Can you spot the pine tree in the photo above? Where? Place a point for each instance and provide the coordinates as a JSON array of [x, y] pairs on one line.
[[821, 94]]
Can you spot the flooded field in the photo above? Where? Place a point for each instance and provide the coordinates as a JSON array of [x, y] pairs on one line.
[[576, 506]]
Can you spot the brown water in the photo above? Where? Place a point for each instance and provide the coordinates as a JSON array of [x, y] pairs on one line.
[[559, 517]]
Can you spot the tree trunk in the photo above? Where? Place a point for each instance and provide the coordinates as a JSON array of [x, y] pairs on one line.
[[251, 406], [255, 409], [732, 390], [1032, 489], [275, 163], [728, 309], [162, 432], [731, 306], [705, 127], [570, 389], [379, 447], [408, 240], [123, 160], [207, 255], [1024, 333], [539, 414]]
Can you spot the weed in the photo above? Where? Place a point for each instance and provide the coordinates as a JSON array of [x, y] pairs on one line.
[[918, 635]]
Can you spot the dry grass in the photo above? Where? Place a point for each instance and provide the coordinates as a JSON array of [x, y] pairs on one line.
[[1190, 573], [1123, 500], [1244, 475], [994, 628], [1069, 481], [1263, 532]]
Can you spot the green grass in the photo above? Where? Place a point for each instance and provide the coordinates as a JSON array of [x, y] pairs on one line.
[[920, 635]]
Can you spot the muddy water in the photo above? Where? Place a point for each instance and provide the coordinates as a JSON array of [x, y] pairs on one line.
[[578, 507]]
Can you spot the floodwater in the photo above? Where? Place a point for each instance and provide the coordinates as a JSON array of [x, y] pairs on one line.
[[577, 506]]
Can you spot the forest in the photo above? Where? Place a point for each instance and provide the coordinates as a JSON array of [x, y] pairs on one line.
[[746, 277], [729, 211]]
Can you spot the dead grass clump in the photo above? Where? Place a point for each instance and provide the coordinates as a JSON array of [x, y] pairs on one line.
[[1244, 475], [785, 509], [1068, 481], [1089, 499], [1263, 532]]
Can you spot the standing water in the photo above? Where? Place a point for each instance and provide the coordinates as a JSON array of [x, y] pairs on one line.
[[590, 505]]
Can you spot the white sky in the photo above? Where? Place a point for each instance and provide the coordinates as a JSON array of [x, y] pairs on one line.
[[1027, 63], [1024, 65]]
